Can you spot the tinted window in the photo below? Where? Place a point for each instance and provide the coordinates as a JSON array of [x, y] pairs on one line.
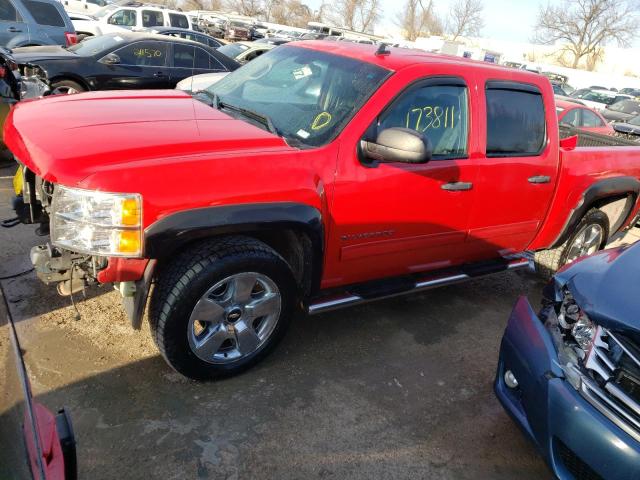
[[178, 20], [626, 106], [44, 13], [439, 112], [590, 119], [8, 12], [152, 18], [149, 54], [515, 121], [183, 56], [125, 18], [202, 59], [571, 118]]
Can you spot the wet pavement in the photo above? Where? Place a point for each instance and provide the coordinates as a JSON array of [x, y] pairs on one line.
[[391, 390]]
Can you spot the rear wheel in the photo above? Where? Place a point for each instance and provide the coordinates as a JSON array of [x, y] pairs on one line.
[[66, 87], [590, 235], [221, 306]]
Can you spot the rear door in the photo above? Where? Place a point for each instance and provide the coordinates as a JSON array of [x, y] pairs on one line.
[[12, 24], [516, 171], [50, 24], [142, 65]]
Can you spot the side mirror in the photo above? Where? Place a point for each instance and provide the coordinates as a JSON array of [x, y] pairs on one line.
[[110, 59], [398, 145]]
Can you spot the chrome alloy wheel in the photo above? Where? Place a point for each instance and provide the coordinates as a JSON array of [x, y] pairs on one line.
[[586, 242], [234, 318], [64, 90]]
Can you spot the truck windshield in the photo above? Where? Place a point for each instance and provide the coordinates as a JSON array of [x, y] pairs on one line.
[[307, 95]]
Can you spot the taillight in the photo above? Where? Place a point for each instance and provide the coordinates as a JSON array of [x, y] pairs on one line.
[[71, 38], [3, 72]]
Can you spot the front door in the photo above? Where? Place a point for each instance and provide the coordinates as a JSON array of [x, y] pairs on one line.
[[391, 219], [142, 65], [517, 170]]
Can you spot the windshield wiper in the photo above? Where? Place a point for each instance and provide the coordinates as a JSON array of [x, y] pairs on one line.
[[250, 114]]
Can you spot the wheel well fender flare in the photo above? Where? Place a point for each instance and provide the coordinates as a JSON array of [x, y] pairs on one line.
[[603, 189], [175, 231]]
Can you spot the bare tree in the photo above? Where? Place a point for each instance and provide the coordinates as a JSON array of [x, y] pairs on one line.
[[250, 8], [582, 27], [201, 4], [417, 19], [358, 15], [465, 19]]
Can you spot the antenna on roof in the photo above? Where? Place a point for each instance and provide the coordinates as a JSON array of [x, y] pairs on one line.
[[382, 50]]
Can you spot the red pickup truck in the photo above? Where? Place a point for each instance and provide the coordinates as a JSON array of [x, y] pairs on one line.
[[320, 175]]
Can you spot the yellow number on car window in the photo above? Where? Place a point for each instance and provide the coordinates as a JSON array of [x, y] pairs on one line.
[[147, 52], [322, 120], [422, 119]]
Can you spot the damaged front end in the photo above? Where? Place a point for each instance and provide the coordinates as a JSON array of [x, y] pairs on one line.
[[96, 237]]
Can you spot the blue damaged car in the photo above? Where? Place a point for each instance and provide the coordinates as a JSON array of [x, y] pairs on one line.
[[570, 375]]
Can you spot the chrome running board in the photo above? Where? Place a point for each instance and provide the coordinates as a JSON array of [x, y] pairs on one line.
[[358, 294]]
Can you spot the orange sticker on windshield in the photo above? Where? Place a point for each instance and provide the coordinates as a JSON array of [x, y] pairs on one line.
[[322, 120]]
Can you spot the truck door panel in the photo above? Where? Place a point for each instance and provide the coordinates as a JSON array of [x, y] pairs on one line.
[[396, 218], [516, 172]]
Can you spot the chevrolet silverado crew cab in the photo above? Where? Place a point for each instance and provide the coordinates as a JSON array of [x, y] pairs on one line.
[[319, 175]]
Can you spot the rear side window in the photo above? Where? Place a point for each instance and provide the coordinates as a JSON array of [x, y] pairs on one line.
[[515, 120], [439, 112], [8, 12], [571, 118], [183, 55], [179, 21], [44, 13], [152, 18], [590, 119], [207, 62]]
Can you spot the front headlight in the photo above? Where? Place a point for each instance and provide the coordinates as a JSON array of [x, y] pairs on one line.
[[576, 322], [97, 223]]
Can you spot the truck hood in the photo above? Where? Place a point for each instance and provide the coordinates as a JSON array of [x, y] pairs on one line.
[[607, 287], [65, 138]]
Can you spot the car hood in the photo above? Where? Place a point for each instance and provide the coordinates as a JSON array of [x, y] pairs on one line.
[[626, 128], [66, 138], [616, 116], [34, 54], [200, 82], [607, 287]]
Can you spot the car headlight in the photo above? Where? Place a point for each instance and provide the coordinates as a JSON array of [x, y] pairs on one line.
[[574, 320], [97, 223]]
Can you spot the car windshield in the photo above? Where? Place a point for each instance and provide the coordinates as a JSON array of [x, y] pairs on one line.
[[308, 96], [232, 50], [96, 45], [635, 121], [594, 96], [626, 106], [101, 12]]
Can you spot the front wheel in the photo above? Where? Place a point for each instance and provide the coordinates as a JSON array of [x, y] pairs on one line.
[[221, 306], [66, 87], [589, 236]]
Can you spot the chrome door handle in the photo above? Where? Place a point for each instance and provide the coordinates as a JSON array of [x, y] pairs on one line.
[[540, 179], [457, 186]]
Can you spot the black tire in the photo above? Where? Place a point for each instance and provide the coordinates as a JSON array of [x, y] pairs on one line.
[[65, 85], [181, 284], [548, 262]]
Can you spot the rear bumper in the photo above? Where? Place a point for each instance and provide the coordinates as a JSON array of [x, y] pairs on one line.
[[576, 440]]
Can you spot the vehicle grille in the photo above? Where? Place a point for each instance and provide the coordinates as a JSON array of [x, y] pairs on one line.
[[574, 464], [614, 383]]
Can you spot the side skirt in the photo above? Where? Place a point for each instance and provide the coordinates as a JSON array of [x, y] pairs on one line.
[[364, 293]]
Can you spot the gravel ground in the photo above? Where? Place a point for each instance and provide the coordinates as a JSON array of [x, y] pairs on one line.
[[397, 389]]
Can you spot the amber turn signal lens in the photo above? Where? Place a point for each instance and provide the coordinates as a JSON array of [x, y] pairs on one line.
[[129, 242], [130, 212]]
